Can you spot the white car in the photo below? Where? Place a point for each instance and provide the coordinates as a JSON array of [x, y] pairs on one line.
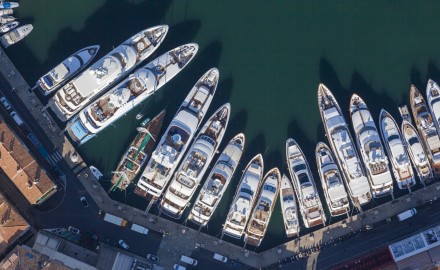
[[178, 267], [123, 244], [5, 103]]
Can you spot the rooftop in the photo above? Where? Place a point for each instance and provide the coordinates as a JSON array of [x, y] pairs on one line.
[[23, 170]]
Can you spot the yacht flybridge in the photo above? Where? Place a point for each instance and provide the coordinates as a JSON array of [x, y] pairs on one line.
[[343, 147], [371, 148], [178, 136], [78, 92]]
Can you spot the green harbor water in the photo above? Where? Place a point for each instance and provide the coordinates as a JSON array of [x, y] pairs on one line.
[[271, 55]]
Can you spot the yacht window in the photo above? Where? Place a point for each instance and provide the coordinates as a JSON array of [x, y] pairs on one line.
[[299, 167], [247, 191], [393, 137], [413, 141]]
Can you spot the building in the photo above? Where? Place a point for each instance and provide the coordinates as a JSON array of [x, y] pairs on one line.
[[23, 170], [23, 257], [12, 225]]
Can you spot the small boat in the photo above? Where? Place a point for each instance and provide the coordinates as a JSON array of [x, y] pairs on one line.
[[417, 153], [8, 26], [96, 172], [15, 35], [217, 181], [244, 198], [64, 71], [6, 19], [263, 209], [331, 180], [309, 202], [190, 173], [178, 136], [343, 147], [126, 95], [395, 146], [371, 148], [7, 11], [404, 112], [426, 127], [137, 153], [288, 207], [9, 5]]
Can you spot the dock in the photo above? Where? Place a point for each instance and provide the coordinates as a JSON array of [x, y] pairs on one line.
[[178, 239]]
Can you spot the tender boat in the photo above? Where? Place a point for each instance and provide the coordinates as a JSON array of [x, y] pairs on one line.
[[217, 181], [7, 11], [177, 137], [195, 163], [343, 147], [88, 85], [331, 180], [417, 153], [309, 202], [16, 35], [244, 198], [262, 210], [9, 5], [64, 71], [6, 19], [98, 175], [395, 146], [8, 26], [288, 207], [371, 148], [137, 153], [122, 98], [426, 127]]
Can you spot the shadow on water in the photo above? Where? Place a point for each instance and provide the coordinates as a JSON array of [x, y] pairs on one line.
[[433, 73], [416, 79]]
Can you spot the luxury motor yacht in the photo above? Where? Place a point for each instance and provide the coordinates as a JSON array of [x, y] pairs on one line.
[[190, 173], [138, 152], [217, 182], [371, 148], [309, 202], [427, 127], [178, 136], [395, 146], [343, 147], [16, 35], [417, 152], [122, 98], [288, 207], [244, 198], [88, 85], [433, 98], [331, 180], [262, 210], [64, 71]]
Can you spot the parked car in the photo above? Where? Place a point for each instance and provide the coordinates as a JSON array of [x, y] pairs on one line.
[[73, 230], [5, 103], [178, 267], [17, 118], [123, 244], [84, 201], [152, 257]]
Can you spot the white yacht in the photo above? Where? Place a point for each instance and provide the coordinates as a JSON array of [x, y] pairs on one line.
[[288, 207], [433, 98], [190, 173], [6, 27], [262, 210], [64, 71], [16, 35], [6, 19], [9, 4], [343, 147], [217, 181], [417, 152], [395, 146], [178, 136], [427, 128], [244, 198], [331, 180], [371, 148], [6, 11], [122, 98], [309, 202], [88, 85]]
